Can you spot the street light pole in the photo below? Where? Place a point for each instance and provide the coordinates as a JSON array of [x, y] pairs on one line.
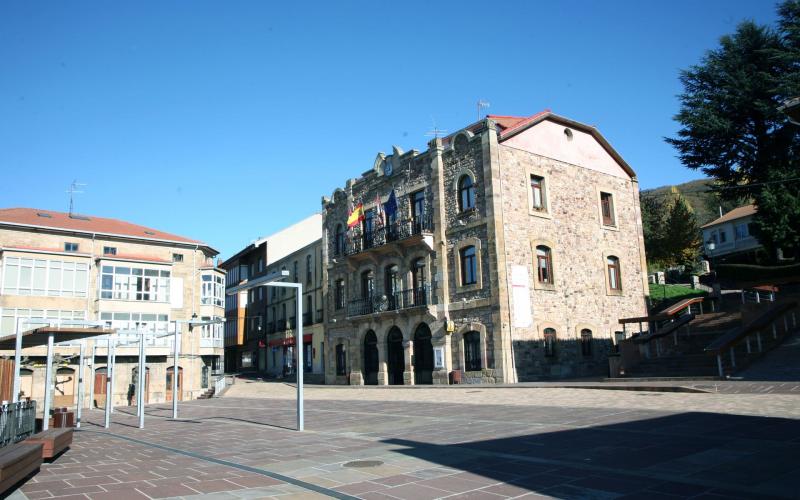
[[272, 280]]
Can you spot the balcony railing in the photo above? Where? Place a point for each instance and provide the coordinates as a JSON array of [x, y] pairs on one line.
[[270, 328], [396, 231], [306, 318], [320, 316], [405, 299], [280, 325]]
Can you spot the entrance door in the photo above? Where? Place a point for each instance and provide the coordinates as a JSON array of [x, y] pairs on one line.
[[100, 378], [371, 358], [64, 394], [135, 382], [169, 383], [423, 355], [394, 356]]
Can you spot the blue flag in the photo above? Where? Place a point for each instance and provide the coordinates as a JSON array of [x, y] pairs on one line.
[[390, 207]]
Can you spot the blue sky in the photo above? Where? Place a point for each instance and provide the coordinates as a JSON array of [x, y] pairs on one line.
[[225, 121]]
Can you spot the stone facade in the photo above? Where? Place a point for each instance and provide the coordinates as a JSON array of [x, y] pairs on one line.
[[181, 268], [407, 304]]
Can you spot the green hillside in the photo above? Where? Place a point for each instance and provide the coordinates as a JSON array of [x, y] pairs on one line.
[[696, 193]]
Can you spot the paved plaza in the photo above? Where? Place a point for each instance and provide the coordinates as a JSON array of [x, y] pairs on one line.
[[457, 442]]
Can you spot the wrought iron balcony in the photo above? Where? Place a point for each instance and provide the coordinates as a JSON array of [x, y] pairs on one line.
[[280, 325], [405, 299], [397, 231], [320, 316], [307, 318]]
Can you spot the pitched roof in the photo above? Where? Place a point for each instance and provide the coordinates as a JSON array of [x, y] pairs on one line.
[[736, 213], [88, 224]]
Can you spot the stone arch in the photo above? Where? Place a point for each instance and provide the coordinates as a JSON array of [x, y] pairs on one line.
[[461, 173], [423, 354], [460, 142], [458, 340], [395, 356], [371, 358]]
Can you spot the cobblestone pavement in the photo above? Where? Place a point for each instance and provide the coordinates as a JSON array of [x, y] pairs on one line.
[[435, 443]]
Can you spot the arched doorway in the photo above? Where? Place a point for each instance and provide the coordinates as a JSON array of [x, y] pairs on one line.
[[394, 356], [423, 355], [170, 370], [64, 394], [135, 383], [370, 358], [100, 378]]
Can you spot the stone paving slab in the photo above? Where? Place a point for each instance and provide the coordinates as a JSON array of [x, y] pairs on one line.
[[565, 443]]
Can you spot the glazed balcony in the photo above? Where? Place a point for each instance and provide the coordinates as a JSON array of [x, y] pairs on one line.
[[405, 299], [406, 232]]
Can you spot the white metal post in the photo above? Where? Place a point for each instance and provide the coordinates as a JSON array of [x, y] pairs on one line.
[[48, 381], [79, 406], [17, 361], [300, 366], [140, 390], [113, 357], [108, 385], [175, 372], [91, 376]]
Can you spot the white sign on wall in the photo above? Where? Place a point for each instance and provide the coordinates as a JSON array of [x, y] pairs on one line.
[[520, 297], [438, 357]]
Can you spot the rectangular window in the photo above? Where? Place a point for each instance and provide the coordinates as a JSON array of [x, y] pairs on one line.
[[538, 201], [742, 231], [614, 277], [109, 250], [723, 236], [70, 247], [53, 278], [341, 360], [177, 257], [339, 294], [469, 266], [213, 290], [133, 283], [29, 319], [607, 208]]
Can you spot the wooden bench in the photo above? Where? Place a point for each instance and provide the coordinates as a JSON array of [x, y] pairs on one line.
[[53, 441], [18, 461]]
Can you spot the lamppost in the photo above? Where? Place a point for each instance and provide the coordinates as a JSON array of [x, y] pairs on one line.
[[192, 323], [273, 279], [710, 247]]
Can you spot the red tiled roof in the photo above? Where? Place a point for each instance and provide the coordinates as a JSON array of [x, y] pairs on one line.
[[91, 224], [736, 213]]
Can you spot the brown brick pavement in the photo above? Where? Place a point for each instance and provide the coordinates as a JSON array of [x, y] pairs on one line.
[[472, 449]]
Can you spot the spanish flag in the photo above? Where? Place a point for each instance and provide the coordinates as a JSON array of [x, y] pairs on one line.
[[356, 216]]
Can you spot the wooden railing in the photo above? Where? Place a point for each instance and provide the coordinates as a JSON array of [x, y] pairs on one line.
[[656, 322], [770, 323]]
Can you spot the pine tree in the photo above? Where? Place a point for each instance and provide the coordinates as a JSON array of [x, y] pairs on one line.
[[732, 128]]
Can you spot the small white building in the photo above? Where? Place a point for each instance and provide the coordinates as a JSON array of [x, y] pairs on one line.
[[731, 234]]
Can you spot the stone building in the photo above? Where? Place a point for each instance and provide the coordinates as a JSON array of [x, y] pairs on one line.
[[57, 267], [515, 248], [261, 322]]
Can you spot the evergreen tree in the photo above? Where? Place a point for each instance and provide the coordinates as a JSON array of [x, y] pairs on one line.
[[682, 234], [732, 129], [653, 227]]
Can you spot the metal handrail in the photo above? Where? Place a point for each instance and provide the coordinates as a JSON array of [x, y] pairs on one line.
[[404, 299], [396, 231], [741, 333]]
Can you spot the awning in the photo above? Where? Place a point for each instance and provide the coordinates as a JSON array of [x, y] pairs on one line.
[[289, 341], [39, 336]]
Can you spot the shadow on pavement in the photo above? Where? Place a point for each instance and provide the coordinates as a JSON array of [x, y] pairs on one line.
[[685, 455]]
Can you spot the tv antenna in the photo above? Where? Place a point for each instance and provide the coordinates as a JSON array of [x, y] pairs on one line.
[[435, 132], [73, 190], [482, 104]]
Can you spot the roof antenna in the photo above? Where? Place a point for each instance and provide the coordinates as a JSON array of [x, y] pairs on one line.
[[73, 190], [435, 131], [482, 104]]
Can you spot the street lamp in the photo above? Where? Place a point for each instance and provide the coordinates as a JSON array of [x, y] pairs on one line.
[[711, 246], [192, 323], [273, 279]]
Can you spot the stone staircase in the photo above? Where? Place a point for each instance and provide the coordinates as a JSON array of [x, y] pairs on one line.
[[208, 394], [670, 352]]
